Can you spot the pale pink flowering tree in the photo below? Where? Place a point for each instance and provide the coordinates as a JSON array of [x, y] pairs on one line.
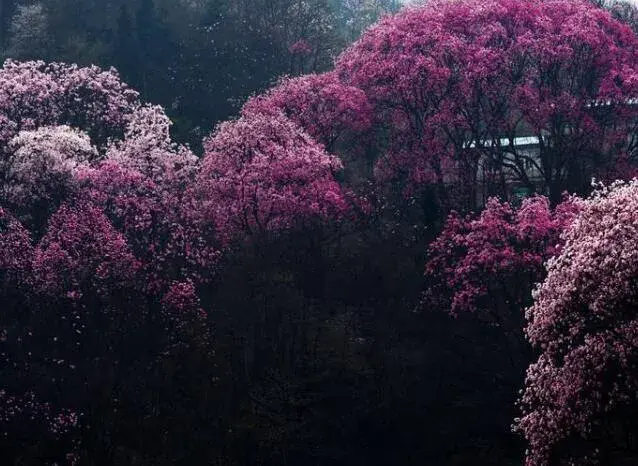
[[54, 119], [35, 94], [262, 173], [579, 402], [40, 165], [324, 107], [28, 95], [147, 147], [453, 80], [81, 133], [62, 119]]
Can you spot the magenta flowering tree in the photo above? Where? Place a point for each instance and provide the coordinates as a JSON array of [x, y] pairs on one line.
[[487, 264], [16, 250], [103, 255], [579, 403], [115, 274], [158, 218], [324, 107], [456, 82], [82, 251], [262, 173]]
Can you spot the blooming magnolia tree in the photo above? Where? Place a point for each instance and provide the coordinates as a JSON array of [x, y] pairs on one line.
[[456, 81], [147, 148], [324, 107], [101, 254], [262, 173], [488, 264], [580, 400], [36, 94], [39, 168], [82, 251], [478, 263], [57, 119], [159, 220], [16, 251]]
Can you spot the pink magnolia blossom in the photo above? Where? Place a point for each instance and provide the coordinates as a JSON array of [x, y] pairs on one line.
[[325, 108], [263, 173], [453, 74], [476, 262], [82, 252], [35, 94], [147, 147], [583, 321], [16, 250]]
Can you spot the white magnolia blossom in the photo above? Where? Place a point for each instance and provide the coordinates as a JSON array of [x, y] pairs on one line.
[[44, 160]]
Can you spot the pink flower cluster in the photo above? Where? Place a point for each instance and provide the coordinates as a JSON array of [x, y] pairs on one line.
[[584, 323], [82, 250], [449, 74], [319, 103], [263, 173], [147, 148], [478, 261], [36, 94]]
